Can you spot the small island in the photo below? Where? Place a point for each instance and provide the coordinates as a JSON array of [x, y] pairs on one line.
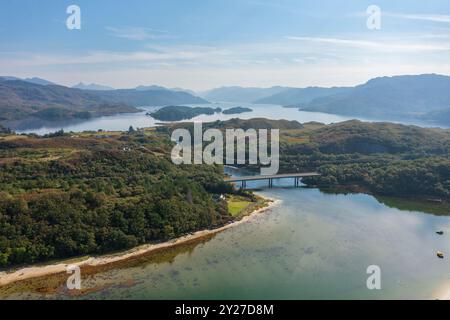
[[237, 110], [179, 113]]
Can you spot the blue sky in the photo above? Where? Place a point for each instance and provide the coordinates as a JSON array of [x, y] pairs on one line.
[[203, 44]]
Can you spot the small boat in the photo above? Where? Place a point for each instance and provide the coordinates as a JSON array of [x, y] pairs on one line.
[[440, 233], [440, 255]]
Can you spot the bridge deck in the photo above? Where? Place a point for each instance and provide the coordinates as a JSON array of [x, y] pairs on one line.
[[276, 176]]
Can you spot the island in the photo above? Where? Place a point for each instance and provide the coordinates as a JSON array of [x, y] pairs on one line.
[[237, 110], [179, 113]]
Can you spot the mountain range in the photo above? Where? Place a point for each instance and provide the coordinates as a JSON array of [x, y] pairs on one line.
[[34, 80], [301, 95], [34, 97], [240, 94], [92, 86], [274, 95], [419, 96]]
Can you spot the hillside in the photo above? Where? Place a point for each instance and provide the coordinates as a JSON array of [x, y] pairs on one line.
[[34, 80], [368, 138], [140, 98], [240, 94], [399, 96], [99, 193], [255, 123], [21, 99], [92, 86], [378, 158], [300, 96]]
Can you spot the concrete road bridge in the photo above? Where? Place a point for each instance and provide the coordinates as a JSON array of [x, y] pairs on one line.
[[296, 176]]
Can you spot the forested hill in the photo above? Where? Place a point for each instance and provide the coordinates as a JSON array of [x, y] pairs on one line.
[[21, 99], [379, 158], [68, 195], [236, 123], [380, 137]]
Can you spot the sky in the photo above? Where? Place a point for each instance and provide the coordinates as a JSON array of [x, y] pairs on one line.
[[202, 44]]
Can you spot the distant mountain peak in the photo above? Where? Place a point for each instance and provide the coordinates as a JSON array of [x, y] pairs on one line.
[[149, 88], [34, 80], [425, 76], [8, 78], [40, 81], [92, 86], [240, 94]]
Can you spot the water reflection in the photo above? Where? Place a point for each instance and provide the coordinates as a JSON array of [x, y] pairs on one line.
[[140, 120]]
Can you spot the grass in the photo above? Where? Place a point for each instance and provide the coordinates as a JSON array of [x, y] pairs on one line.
[[237, 205]]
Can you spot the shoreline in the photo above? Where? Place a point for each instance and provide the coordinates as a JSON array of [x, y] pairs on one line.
[[28, 273]]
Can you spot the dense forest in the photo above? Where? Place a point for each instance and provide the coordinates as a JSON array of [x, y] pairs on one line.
[[68, 195], [379, 158]]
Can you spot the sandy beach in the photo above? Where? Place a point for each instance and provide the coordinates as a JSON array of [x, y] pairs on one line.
[[7, 278]]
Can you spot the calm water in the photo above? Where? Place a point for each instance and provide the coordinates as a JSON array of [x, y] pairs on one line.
[[139, 120], [312, 246]]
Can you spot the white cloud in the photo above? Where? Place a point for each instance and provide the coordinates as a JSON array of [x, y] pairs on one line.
[[424, 17], [137, 33], [384, 45]]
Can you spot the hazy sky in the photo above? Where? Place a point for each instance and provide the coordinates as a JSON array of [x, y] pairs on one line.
[[209, 43]]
